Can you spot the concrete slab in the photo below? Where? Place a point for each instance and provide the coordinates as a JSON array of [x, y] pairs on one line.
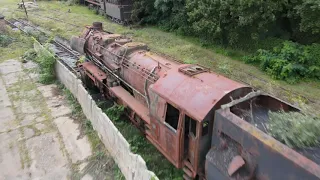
[[29, 65], [28, 133], [40, 119], [48, 91], [4, 98], [10, 160], [34, 143], [78, 149], [59, 110], [40, 126], [6, 119], [27, 107], [28, 119], [10, 66], [12, 78], [47, 160]]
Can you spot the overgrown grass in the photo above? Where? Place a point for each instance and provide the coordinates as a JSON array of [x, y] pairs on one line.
[[13, 45], [5, 40], [156, 162], [46, 61], [183, 48]]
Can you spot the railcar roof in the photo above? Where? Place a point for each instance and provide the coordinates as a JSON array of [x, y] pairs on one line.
[[196, 94]]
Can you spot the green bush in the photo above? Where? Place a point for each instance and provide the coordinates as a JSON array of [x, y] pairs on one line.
[[232, 22], [115, 112], [290, 61], [5, 40], [46, 61], [294, 129]]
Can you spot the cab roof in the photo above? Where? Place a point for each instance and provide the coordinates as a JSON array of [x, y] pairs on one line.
[[194, 89]]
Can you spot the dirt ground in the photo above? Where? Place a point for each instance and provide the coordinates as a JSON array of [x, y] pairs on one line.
[[38, 139]]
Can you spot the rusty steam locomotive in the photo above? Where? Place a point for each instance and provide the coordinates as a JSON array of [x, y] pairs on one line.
[[194, 117]]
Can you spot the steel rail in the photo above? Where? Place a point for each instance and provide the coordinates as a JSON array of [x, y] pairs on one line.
[[240, 80]]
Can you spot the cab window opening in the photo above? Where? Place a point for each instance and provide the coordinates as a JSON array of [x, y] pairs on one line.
[[172, 117]]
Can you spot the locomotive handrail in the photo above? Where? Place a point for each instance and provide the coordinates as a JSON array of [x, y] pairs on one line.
[[98, 63], [142, 74], [145, 88]]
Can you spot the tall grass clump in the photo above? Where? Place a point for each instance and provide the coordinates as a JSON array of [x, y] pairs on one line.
[[46, 61]]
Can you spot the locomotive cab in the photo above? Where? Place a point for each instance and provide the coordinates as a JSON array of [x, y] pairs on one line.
[[182, 106]]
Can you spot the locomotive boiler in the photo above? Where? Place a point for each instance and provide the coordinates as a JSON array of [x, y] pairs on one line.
[[193, 116]]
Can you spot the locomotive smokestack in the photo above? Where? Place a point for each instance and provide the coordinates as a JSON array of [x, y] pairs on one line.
[[97, 26]]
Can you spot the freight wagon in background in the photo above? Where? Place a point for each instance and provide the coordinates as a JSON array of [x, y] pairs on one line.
[[118, 11], [208, 125]]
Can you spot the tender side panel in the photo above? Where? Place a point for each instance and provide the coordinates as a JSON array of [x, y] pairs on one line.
[[113, 10], [265, 157]]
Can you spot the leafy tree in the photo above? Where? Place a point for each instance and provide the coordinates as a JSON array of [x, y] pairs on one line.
[[144, 12], [229, 20], [234, 21], [309, 13]]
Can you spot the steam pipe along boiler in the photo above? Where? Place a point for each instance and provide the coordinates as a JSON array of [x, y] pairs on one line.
[[179, 109]]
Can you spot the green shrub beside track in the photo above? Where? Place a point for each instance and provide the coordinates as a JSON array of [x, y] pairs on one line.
[[290, 61], [46, 61]]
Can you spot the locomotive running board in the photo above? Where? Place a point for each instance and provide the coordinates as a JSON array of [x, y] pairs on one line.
[[131, 102]]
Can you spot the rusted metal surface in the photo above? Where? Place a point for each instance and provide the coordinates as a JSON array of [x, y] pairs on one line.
[[97, 3], [95, 73], [198, 94], [129, 100], [118, 11], [177, 107], [265, 157], [236, 163]]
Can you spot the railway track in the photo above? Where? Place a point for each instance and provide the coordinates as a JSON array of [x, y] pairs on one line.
[[69, 57], [59, 46]]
